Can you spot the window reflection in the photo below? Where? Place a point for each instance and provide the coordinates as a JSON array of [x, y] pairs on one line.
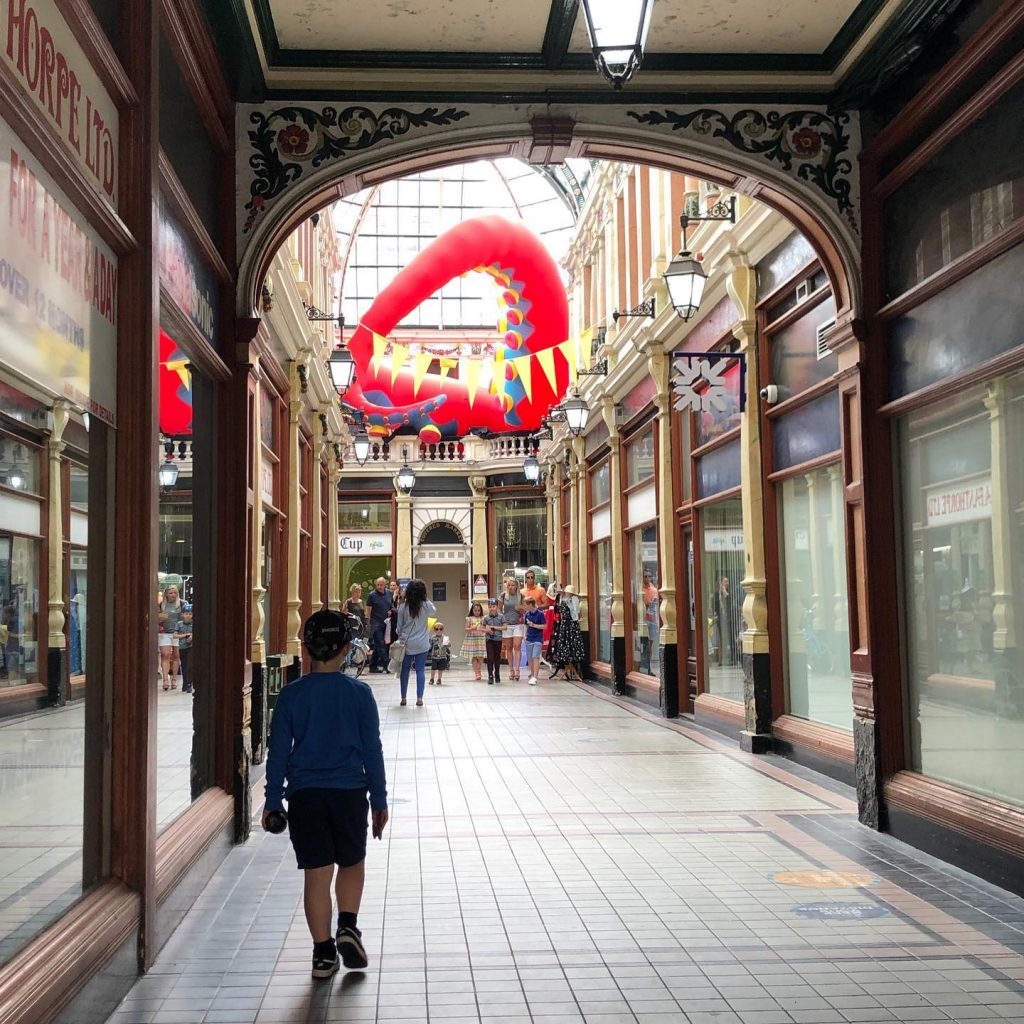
[[643, 546], [722, 569], [603, 604]]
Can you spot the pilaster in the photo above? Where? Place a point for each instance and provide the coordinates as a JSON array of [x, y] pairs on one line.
[[56, 642], [333, 555], [742, 285], [316, 493], [293, 623], [258, 651], [403, 534], [478, 486], [618, 624], [658, 365]]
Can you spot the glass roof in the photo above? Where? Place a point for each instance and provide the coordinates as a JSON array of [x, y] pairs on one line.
[[383, 227]]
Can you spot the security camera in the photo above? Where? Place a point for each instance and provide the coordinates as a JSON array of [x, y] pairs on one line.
[[770, 394]]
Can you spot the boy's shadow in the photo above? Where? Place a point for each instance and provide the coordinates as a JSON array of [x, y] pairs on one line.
[[321, 992]]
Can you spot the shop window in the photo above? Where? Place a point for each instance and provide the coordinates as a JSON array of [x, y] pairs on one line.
[[957, 202], [520, 534], [719, 470], [640, 459], [602, 601], [965, 325], [963, 537], [722, 569], [645, 599], [806, 433], [816, 630], [600, 491], [268, 418], [19, 464], [797, 359], [19, 615], [364, 515]]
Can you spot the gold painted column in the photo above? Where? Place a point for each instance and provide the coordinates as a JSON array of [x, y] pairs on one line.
[[56, 642], [551, 503], [333, 554], [756, 735], [659, 365], [616, 542], [403, 535], [478, 486], [575, 478], [316, 500], [293, 622]]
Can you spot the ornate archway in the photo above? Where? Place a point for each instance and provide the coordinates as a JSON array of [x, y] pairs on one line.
[[799, 160]]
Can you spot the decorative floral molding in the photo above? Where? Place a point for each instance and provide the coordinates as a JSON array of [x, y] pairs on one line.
[[289, 139], [809, 144]]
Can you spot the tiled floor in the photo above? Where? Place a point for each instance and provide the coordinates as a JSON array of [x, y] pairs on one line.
[[556, 858]]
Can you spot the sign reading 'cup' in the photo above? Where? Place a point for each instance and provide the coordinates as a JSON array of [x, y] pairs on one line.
[[362, 545]]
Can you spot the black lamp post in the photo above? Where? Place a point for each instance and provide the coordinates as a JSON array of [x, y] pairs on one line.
[[618, 32]]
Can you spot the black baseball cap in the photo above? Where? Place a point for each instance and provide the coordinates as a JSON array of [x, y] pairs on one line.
[[325, 634]]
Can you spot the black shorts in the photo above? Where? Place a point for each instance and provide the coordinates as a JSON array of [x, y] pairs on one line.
[[328, 826]]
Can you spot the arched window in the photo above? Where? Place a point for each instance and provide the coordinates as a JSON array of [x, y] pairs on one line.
[[441, 533]]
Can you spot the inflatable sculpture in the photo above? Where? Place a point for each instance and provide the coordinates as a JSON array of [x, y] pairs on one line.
[[509, 391], [175, 389]]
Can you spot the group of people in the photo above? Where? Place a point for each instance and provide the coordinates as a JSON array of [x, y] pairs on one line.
[[174, 636]]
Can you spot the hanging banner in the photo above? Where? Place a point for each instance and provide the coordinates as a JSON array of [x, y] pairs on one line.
[[350, 544], [58, 289], [57, 76]]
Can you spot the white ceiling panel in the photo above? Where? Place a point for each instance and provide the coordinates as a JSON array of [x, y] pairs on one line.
[[738, 26], [425, 25]]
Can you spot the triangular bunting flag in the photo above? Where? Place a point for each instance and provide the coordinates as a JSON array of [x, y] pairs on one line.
[[399, 354], [380, 346], [422, 363], [446, 366], [523, 366], [546, 359], [569, 351], [586, 343], [486, 373], [472, 376]]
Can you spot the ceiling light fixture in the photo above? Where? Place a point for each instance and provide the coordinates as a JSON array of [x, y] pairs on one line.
[[618, 32]]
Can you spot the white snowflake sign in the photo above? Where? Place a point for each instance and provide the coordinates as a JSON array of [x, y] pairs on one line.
[[699, 380]]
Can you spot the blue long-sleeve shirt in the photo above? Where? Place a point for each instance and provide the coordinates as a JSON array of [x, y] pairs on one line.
[[325, 734]]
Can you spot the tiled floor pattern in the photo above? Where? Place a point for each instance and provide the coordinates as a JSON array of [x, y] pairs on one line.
[[556, 858], [41, 779]]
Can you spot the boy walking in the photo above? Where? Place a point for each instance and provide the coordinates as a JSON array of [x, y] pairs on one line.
[[493, 623], [535, 622], [325, 746]]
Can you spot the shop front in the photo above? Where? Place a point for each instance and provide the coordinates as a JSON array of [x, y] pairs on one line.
[[365, 543]]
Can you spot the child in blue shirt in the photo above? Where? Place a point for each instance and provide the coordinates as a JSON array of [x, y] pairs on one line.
[[493, 630], [325, 744], [535, 622]]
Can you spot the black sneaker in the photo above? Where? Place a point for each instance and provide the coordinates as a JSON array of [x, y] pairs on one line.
[[325, 962], [350, 946]]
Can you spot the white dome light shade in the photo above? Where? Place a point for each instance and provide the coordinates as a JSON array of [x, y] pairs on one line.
[[531, 470], [361, 447], [577, 412], [618, 32], [406, 478], [168, 474], [343, 369], [685, 280]]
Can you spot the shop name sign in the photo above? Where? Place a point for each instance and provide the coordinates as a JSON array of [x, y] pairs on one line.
[[58, 289], [364, 544], [44, 55], [187, 278], [961, 503]]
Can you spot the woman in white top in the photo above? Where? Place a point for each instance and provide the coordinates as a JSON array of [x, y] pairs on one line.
[[413, 614], [510, 608]]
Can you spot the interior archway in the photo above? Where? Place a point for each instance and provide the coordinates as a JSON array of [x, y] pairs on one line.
[[834, 241]]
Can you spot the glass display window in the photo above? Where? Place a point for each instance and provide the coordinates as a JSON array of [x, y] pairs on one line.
[[644, 582], [364, 515], [722, 568], [813, 579], [600, 488], [963, 535], [640, 458], [602, 602], [520, 534]]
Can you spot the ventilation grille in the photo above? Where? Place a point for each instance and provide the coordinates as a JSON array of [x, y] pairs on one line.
[[822, 346]]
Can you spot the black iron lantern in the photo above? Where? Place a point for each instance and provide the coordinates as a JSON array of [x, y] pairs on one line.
[[361, 447], [618, 32], [406, 476], [531, 470], [168, 474], [577, 412], [685, 280]]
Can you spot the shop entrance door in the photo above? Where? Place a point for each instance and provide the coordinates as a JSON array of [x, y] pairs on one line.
[[447, 585]]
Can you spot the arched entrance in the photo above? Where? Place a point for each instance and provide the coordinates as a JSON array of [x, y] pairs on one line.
[[800, 161]]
